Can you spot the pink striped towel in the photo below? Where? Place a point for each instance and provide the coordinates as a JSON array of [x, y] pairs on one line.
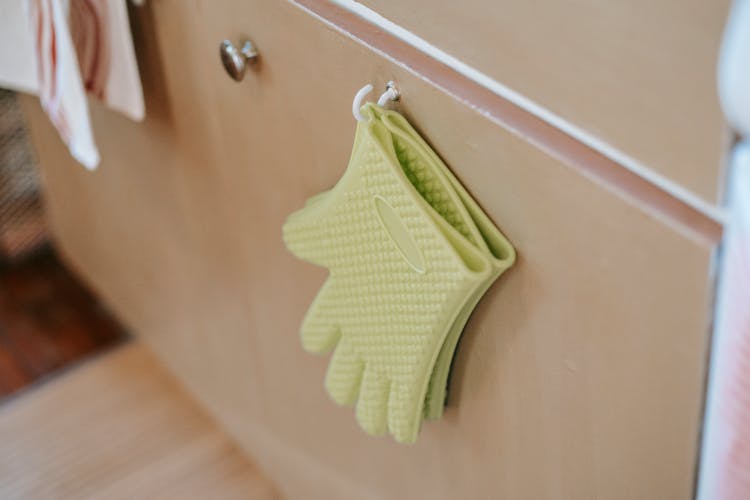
[[77, 48], [725, 464]]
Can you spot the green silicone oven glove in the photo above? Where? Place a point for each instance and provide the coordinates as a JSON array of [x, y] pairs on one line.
[[409, 254]]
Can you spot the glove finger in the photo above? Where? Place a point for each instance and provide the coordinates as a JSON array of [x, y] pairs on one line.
[[344, 374], [319, 331], [372, 405], [404, 419]]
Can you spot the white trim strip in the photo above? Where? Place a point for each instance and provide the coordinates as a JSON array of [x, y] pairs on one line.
[[523, 102]]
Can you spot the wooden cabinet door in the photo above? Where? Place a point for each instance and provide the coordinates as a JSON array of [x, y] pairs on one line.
[[581, 372]]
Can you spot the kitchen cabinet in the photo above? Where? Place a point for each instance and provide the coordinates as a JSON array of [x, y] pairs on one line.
[[580, 374]]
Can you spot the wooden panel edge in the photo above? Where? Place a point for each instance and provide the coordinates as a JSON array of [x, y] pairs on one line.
[[695, 223]]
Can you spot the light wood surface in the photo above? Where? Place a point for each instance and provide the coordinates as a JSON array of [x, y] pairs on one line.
[[119, 427], [665, 199], [639, 75], [580, 375]]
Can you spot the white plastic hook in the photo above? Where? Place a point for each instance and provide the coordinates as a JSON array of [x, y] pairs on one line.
[[357, 102], [391, 94]]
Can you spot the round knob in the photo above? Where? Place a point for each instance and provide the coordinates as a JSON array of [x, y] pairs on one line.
[[236, 60]]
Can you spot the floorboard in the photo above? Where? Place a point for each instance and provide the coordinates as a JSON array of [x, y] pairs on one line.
[[118, 426]]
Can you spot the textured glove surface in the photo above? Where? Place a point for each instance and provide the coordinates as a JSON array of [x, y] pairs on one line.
[[409, 255]]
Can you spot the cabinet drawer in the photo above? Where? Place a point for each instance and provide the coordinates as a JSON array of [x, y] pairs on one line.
[[579, 375], [638, 75]]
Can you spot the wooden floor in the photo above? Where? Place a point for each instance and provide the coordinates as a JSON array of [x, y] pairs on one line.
[[48, 320], [118, 427]]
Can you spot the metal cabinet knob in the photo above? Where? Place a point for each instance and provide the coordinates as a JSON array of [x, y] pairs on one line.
[[236, 60]]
